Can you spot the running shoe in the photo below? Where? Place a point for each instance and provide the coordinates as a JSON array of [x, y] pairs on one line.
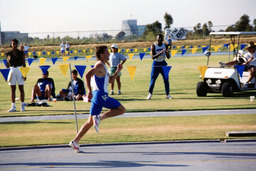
[[169, 97], [112, 92], [149, 96], [13, 109], [75, 146], [96, 122], [119, 92], [22, 109]]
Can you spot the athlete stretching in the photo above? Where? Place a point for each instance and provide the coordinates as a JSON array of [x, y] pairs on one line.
[[99, 96]]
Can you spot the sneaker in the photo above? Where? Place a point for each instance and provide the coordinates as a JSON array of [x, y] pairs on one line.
[[75, 146], [222, 64], [169, 97], [22, 109], [13, 109], [112, 92], [96, 123], [149, 96], [119, 92], [245, 85]]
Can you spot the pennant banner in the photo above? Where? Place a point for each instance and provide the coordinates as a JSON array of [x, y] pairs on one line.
[[44, 68], [205, 48], [173, 52], [216, 48], [183, 51], [202, 70], [88, 57], [30, 61], [64, 68], [194, 50], [76, 57], [240, 69], [80, 69], [24, 71], [2, 54], [5, 62], [166, 70], [65, 58], [92, 66], [42, 60], [54, 60], [130, 55], [5, 73], [142, 55], [131, 70], [242, 46]]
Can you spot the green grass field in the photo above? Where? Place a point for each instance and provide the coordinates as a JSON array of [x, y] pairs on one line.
[[183, 76]]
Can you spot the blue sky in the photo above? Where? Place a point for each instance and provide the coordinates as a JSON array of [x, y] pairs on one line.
[[88, 15]]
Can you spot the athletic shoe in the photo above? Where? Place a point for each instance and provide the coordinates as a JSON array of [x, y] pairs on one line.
[[169, 97], [13, 109], [96, 122], [222, 64], [246, 85], [22, 109], [112, 92], [149, 96], [75, 146], [119, 92]]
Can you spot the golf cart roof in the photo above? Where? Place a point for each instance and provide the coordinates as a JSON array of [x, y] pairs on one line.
[[233, 33]]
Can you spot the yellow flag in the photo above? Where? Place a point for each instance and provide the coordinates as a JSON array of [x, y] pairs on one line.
[[119, 50], [131, 70], [91, 50], [42, 60], [57, 52], [65, 58], [48, 53], [2, 54], [88, 57], [24, 71], [202, 70], [216, 48], [39, 53], [173, 52], [75, 51], [109, 50], [29, 53], [64, 68], [194, 50], [127, 50], [136, 50], [130, 55], [178, 47], [66, 52], [84, 50], [145, 49], [232, 47]]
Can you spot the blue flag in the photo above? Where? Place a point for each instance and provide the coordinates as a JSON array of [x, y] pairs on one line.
[[30, 60], [166, 70], [44, 68], [54, 60], [80, 69], [226, 45], [5, 73], [205, 48], [5, 62], [183, 51], [142, 55], [240, 69], [242, 46], [75, 57]]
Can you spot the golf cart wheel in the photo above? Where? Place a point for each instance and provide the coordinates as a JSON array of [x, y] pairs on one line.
[[201, 89], [227, 89]]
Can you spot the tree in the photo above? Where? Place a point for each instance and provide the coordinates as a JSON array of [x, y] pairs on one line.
[[254, 23], [120, 36], [168, 20], [241, 25], [152, 30], [205, 30], [210, 25]]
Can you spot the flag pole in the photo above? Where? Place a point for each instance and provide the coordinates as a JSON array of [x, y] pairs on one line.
[[73, 97]]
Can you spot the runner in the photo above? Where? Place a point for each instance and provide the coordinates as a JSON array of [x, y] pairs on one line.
[[99, 97]]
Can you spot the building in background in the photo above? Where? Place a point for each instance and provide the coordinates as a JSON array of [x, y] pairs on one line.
[[130, 27], [7, 36]]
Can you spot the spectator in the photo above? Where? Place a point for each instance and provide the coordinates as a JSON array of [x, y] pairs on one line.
[[159, 51], [115, 58], [44, 88], [169, 42], [67, 45], [16, 59], [62, 49], [26, 49], [79, 90]]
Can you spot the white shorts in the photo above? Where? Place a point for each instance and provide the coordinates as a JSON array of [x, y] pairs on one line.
[[15, 76]]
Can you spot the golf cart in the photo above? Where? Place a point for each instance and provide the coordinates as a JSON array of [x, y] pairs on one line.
[[225, 80]]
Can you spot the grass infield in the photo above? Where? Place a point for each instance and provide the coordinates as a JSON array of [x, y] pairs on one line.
[[183, 76]]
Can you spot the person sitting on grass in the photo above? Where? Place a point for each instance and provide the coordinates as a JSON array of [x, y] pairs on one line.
[[79, 90], [44, 88]]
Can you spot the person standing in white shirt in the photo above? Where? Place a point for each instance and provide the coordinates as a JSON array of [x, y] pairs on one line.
[[67, 45], [62, 48]]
